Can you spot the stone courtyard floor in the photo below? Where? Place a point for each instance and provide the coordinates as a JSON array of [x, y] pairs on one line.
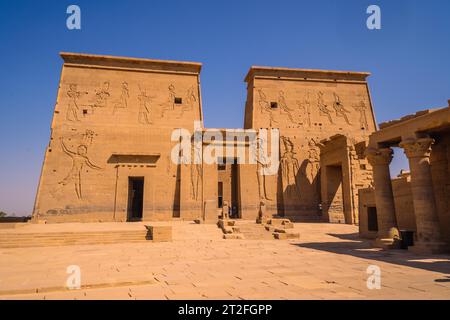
[[327, 262]]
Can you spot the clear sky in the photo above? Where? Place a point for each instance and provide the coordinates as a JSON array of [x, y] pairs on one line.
[[408, 58]]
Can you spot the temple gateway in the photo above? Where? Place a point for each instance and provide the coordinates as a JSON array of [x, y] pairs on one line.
[[117, 122]]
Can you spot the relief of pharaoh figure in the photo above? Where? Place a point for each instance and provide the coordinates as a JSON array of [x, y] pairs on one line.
[[361, 108], [191, 98], [313, 160], [196, 171], [79, 160], [261, 169], [289, 164], [340, 109], [102, 96], [265, 107], [323, 108], [283, 105], [72, 109], [144, 116], [171, 100], [123, 101], [305, 108]]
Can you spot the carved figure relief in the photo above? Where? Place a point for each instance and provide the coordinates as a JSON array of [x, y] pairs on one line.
[[101, 96], [196, 172], [323, 108], [144, 116], [339, 108], [72, 109], [289, 164], [361, 108], [261, 168], [79, 160], [190, 100], [123, 100], [305, 108], [265, 107], [171, 101], [313, 160], [283, 105]]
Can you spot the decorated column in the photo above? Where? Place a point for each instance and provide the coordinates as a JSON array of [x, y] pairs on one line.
[[428, 239], [388, 234]]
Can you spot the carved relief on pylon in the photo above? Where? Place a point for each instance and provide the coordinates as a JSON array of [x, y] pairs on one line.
[[261, 169], [145, 108], [323, 107], [80, 160], [313, 160], [73, 107], [289, 164], [122, 102], [361, 108]]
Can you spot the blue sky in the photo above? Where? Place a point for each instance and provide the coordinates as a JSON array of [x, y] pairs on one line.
[[408, 58]]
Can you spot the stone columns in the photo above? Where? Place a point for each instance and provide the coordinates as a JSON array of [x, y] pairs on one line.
[[388, 234], [428, 238]]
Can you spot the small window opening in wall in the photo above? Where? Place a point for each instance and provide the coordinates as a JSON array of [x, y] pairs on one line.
[[85, 111], [274, 105], [221, 167], [363, 167], [178, 101]]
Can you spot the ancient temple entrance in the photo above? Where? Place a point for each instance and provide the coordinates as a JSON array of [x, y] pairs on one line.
[[135, 198], [335, 194], [228, 186]]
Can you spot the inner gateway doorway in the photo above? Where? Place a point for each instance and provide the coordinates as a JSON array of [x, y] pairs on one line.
[[135, 198], [228, 186], [335, 194]]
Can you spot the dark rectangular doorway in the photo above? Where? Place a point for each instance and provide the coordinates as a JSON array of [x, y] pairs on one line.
[[372, 219], [228, 186], [135, 198]]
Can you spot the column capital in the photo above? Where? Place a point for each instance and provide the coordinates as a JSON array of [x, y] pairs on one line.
[[417, 148], [381, 156]]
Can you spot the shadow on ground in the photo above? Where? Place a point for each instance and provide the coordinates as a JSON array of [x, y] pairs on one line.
[[360, 248]]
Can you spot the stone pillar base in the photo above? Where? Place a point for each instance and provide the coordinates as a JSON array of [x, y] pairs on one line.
[[429, 248], [387, 243]]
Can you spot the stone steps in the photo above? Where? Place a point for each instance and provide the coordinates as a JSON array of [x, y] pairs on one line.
[[25, 240], [254, 232]]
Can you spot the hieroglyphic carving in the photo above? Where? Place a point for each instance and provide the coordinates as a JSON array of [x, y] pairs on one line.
[[170, 101], [289, 165], [261, 169], [79, 160], [323, 108], [144, 116], [313, 160], [196, 172], [265, 107], [305, 108], [283, 105], [191, 98], [101, 96], [340, 109], [72, 109], [124, 96], [361, 108]]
